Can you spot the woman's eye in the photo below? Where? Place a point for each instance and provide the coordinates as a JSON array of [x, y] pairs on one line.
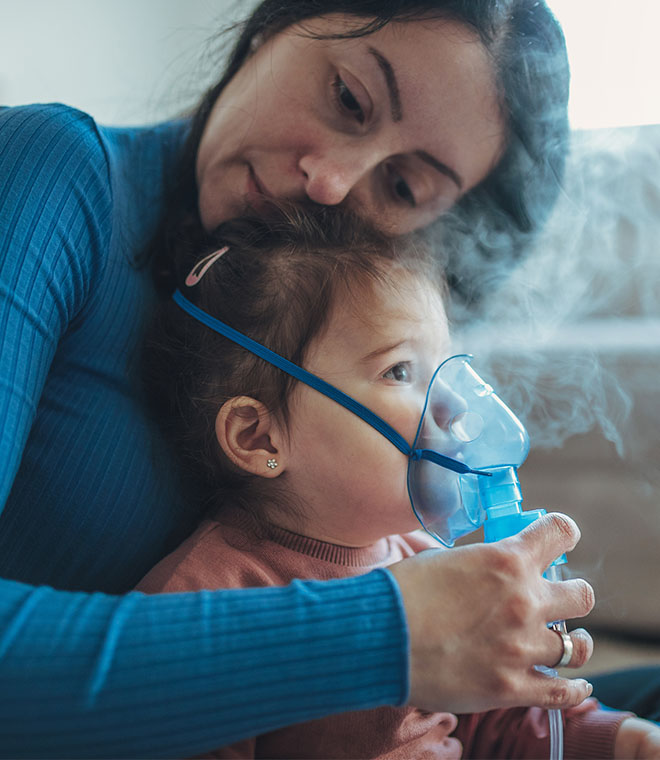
[[401, 189], [347, 100], [399, 372]]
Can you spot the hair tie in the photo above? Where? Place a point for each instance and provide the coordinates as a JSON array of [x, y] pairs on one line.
[[201, 267]]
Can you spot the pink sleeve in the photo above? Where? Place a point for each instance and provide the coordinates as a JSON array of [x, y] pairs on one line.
[[589, 732]]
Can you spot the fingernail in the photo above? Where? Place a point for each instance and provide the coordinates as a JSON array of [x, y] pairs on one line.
[[589, 687]]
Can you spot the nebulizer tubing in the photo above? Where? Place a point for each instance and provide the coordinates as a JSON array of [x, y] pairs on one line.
[[502, 499], [553, 573], [499, 487]]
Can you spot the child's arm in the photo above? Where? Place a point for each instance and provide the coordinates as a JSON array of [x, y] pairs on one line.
[[589, 732]]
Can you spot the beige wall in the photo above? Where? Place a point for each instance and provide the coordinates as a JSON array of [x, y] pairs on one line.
[[123, 61]]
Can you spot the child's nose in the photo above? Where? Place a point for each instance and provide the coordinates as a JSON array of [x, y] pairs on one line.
[[445, 404]]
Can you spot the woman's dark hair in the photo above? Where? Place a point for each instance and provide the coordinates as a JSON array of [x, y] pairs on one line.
[[276, 284], [492, 224]]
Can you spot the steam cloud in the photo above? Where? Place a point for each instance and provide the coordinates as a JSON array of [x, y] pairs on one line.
[[573, 336]]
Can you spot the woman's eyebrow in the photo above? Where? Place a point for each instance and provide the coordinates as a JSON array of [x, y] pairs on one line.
[[397, 114], [390, 81], [442, 168]]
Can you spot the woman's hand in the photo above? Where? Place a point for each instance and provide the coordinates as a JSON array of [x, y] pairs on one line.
[[477, 617], [637, 738]]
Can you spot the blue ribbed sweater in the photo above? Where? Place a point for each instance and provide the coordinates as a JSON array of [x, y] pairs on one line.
[[89, 501]]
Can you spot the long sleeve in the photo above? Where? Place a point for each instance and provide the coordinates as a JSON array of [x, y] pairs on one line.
[[174, 675], [46, 221], [88, 502]]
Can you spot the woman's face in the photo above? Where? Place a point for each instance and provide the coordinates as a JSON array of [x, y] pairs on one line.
[[397, 125]]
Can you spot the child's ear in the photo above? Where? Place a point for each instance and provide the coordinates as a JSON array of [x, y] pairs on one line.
[[250, 436]]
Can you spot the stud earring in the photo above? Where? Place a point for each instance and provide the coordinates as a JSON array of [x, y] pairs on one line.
[[256, 42], [272, 463]]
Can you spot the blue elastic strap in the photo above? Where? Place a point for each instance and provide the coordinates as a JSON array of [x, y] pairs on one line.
[[321, 386], [451, 464]]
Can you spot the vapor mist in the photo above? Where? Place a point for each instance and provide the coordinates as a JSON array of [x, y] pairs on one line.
[[573, 335]]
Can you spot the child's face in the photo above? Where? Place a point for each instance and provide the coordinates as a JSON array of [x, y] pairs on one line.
[[381, 348]]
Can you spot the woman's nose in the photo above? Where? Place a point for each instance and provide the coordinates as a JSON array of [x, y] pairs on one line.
[[329, 178]]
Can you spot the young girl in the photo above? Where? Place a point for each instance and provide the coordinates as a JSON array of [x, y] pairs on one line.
[[298, 486]]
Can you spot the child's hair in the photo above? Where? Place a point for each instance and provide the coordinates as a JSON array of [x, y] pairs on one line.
[[276, 283]]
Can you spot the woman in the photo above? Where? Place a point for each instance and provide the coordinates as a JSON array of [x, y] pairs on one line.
[[91, 499]]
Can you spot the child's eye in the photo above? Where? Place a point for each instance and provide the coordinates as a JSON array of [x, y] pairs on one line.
[[399, 373], [347, 101]]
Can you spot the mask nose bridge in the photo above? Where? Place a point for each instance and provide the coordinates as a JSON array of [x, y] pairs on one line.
[[442, 405]]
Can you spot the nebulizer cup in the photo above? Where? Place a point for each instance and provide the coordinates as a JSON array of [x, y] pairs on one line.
[[465, 421]]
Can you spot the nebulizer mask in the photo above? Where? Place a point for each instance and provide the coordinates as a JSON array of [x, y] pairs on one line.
[[462, 465], [464, 420]]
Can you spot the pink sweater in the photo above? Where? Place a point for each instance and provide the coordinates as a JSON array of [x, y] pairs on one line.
[[231, 551]]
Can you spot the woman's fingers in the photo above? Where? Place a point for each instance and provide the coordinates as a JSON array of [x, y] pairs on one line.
[[477, 619], [569, 599], [548, 538], [541, 543], [582, 649], [556, 692]]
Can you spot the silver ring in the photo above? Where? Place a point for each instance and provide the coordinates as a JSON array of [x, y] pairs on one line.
[[567, 654]]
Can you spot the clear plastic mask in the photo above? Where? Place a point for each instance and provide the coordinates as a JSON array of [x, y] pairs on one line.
[[465, 420]]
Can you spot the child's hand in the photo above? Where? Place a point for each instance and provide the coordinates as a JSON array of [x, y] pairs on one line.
[[637, 738]]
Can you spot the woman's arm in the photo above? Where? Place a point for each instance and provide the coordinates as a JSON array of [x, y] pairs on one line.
[[55, 207], [85, 675], [173, 675]]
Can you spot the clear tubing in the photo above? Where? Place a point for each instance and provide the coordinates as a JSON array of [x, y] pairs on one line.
[[554, 573], [502, 499], [556, 735], [555, 722]]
